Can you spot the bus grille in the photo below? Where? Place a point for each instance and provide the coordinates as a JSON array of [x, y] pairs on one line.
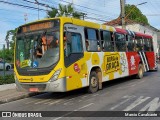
[[41, 87]]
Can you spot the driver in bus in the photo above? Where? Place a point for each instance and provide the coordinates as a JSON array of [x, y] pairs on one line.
[[44, 43], [47, 41], [38, 51]]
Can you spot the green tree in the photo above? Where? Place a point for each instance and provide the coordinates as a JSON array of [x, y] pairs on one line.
[[64, 10], [12, 34], [9, 53], [133, 13]]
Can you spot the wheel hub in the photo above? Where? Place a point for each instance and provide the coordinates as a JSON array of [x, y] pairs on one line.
[[94, 81]]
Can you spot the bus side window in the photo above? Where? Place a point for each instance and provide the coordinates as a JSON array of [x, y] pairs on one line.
[[106, 41], [147, 45], [130, 43], [139, 44], [120, 42], [75, 44], [151, 44], [92, 42]]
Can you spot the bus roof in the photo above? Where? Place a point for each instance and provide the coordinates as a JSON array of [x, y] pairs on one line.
[[142, 35], [121, 30], [76, 22], [89, 25], [138, 34]]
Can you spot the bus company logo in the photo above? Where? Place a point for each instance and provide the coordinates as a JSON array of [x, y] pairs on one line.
[[6, 114], [76, 68], [21, 114], [132, 62], [112, 63], [28, 79]]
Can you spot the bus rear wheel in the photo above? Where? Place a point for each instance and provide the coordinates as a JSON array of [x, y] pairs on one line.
[[140, 71], [93, 82]]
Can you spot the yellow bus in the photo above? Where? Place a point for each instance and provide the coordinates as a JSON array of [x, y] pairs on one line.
[[64, 54]]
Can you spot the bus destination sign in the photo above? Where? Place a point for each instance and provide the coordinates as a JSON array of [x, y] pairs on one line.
[[37, 26]]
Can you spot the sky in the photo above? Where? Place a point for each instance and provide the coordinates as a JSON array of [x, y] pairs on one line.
[[100, 11]]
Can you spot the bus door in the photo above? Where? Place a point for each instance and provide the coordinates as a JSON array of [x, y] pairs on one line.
[[73, 55]]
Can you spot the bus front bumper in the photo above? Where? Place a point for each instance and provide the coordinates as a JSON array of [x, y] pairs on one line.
[[58, 85]]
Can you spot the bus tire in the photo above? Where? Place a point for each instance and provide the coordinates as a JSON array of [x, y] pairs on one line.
[[93, 82], [140, 72]]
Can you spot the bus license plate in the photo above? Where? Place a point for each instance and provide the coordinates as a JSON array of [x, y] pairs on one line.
[[33, 90]]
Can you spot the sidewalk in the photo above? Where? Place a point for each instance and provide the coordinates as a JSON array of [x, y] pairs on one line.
[[9, 93]]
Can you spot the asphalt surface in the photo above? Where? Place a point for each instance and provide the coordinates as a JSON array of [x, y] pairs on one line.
[[127, 94]]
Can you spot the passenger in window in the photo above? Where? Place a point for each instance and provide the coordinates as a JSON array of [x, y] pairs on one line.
[[142, 48], [44, 43], [87, 45], [137, 48], [54, 43], [49, 41], [98, 46], [64, 44]]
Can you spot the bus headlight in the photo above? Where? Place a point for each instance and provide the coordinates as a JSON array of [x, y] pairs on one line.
[[55, 75]]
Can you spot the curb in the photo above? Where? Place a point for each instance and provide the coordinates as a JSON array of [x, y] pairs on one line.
[[6, 100], [7, 86]]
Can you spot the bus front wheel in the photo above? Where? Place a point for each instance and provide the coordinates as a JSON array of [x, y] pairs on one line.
[[93, 82], [140, 71]]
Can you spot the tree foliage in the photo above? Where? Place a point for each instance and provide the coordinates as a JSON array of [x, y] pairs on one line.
[[133, 13], [8, 54], [12, 34], [10, 39], [64, 10]]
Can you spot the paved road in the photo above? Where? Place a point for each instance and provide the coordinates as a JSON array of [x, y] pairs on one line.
[[125, 94]]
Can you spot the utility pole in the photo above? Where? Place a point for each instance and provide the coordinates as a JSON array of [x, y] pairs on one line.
[[46, 7], [83, 15], [25, 17], [122, 3], [36, 2]]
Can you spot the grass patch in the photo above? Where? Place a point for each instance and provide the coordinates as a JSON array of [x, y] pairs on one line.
[[8, 79]]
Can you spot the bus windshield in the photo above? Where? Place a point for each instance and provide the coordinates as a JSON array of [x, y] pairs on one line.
[[37, 50]]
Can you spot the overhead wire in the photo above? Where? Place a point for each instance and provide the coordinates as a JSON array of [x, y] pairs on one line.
[[80, 9], [91, 13], [24, 6], [8, 10], [95, 10]]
